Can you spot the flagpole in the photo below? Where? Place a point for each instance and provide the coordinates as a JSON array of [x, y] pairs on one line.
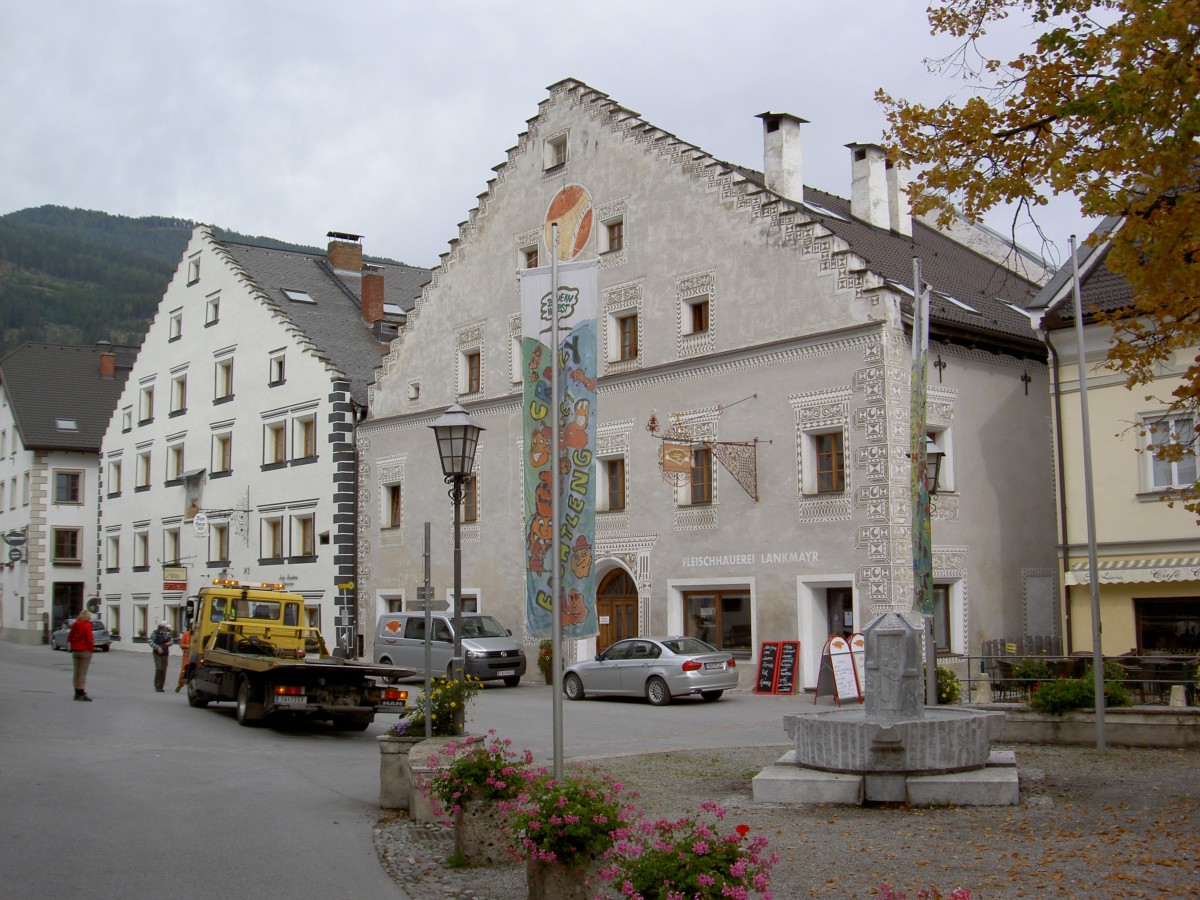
[[555, 513]]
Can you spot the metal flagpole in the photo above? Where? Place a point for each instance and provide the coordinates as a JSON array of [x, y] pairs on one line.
[[1089, 502], [922, 532], [555, 513]]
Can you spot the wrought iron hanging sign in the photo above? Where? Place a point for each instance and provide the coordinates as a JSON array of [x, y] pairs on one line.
[[677, 451]]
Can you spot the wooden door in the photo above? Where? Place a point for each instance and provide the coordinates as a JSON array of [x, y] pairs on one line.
[[616, 607]]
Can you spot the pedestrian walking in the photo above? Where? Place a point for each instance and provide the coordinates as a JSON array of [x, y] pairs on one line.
[[185, 644], [82, 646], [160, 643]]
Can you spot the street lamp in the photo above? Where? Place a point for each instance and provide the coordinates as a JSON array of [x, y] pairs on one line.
[[457, 436]]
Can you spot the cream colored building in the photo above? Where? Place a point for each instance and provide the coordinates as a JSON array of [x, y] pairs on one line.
[[741, 306], [1148, 551]]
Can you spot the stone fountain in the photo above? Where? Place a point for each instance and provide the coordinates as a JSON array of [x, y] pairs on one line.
[[892, 749]]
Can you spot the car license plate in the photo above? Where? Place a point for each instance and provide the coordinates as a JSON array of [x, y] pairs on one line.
[[291, 700], [506, 672], [716, 665]]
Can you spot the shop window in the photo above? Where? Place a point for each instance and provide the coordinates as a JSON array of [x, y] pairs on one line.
[[721, 618], [1168, 626]]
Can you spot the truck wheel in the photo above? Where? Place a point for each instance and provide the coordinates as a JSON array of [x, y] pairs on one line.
[[352, 723], [195, 697], [249, 707]]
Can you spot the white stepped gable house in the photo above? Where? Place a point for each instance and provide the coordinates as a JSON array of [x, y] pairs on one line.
[[231, 450], [55, 402], [734, 305]]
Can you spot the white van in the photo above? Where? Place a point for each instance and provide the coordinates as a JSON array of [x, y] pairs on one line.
[[491, 652]]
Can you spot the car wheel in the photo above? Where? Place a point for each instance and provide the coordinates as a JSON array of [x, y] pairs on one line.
[[249, 709], [195, 697], [710, 696], [513, 681], [573, 687], [106, 647], [657, 692]]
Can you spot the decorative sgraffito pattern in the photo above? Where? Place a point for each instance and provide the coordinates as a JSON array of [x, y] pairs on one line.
[[467, 339], [700, 425], [391, 472], [605, 213], [634, 553], [820, 411], [950, 564], [689, 287], [612, 439], [514, 348]]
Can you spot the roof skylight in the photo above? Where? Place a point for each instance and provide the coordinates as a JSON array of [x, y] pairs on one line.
[[298, 296], [66, 424]]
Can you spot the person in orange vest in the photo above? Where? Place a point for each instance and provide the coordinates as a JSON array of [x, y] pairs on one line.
[[82, 646], [184, 643]]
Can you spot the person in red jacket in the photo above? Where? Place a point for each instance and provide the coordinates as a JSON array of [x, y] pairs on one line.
[[82, 646]]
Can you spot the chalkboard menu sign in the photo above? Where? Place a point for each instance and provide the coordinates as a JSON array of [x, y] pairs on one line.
[[777, 662]]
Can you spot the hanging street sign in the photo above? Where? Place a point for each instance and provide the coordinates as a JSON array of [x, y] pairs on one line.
[[14, 538]]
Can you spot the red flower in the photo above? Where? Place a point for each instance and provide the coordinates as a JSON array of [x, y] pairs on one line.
[[742, 830]]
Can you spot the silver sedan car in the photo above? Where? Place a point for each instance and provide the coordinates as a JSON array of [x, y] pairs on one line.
[[657, 668]]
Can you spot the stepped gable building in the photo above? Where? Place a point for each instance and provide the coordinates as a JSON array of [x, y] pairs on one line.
[[232, 453], [1148, 552], [735, 306], [55, 402]]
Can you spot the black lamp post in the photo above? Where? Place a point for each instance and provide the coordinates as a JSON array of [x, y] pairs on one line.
[[457, 436]]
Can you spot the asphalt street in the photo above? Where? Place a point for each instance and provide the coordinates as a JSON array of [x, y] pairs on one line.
[[139, 795]]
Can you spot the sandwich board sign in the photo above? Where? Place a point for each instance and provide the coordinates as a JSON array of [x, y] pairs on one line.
[[837, 675]]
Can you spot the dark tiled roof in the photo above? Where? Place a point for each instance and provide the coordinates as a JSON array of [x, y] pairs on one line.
[[333, 322], [48, 382], [1100, 289], [952, 270]]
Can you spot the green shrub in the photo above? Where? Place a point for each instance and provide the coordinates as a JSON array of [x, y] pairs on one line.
[[1060, 695], [948, 690]]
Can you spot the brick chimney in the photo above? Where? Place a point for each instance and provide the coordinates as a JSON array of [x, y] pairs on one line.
[[108, 360], [345, 251], [783, 168], [869, 185], [372, 294]]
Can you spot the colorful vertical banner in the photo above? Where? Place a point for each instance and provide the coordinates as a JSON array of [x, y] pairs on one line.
[[576, 411]]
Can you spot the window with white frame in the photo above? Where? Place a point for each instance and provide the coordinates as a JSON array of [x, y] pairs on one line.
[[171, 546], [943, 440], [614, 235], [470, 502], [1170, 447], [275, 443], [222, 453], [175, 325], [141, 548], [143, 470], [212, 310], [304, 535], [175, 462], [393, 495], [625, 343], [25, 489], [127, 419], [112, 553], [823, 464], [470, 371], [612, 483], [68, 487], [179, 394], [223, 387], [12, 493], [277, 369], [146, 405], [529, 257], [114, 478], [218, 543], [701, 487], [305, 440], [194, 269], [272, 537], [555, 152], [3, 485], [695, 314]]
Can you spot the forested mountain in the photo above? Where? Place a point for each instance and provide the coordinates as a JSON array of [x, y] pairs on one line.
[[75, 276]]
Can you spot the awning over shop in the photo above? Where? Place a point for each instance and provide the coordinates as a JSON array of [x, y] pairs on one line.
[[1137, 571]]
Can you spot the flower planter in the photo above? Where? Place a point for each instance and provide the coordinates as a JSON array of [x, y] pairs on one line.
[[395, 771], [479, 836], [420, 766], [562, 881]]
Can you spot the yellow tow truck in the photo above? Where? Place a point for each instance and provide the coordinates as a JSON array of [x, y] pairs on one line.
[[251, 645]]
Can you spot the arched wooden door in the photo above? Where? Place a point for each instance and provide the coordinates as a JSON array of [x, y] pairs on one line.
[[616, 606]]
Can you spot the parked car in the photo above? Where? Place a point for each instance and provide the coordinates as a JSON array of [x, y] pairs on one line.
[[657, 668], [490, 650], [100, 636]]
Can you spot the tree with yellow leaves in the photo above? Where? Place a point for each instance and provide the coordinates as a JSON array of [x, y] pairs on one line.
[[1104, 106]]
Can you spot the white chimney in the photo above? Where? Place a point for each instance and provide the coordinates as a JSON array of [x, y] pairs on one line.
[[868, 185], [899, 210], [783, 163]]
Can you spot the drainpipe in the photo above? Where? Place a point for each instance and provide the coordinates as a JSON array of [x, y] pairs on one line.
[[1062, 489]]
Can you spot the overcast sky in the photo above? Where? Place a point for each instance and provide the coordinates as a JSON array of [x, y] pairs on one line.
[[292, 118]]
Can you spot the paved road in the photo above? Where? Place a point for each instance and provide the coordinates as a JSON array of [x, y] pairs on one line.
[[139, 795]]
